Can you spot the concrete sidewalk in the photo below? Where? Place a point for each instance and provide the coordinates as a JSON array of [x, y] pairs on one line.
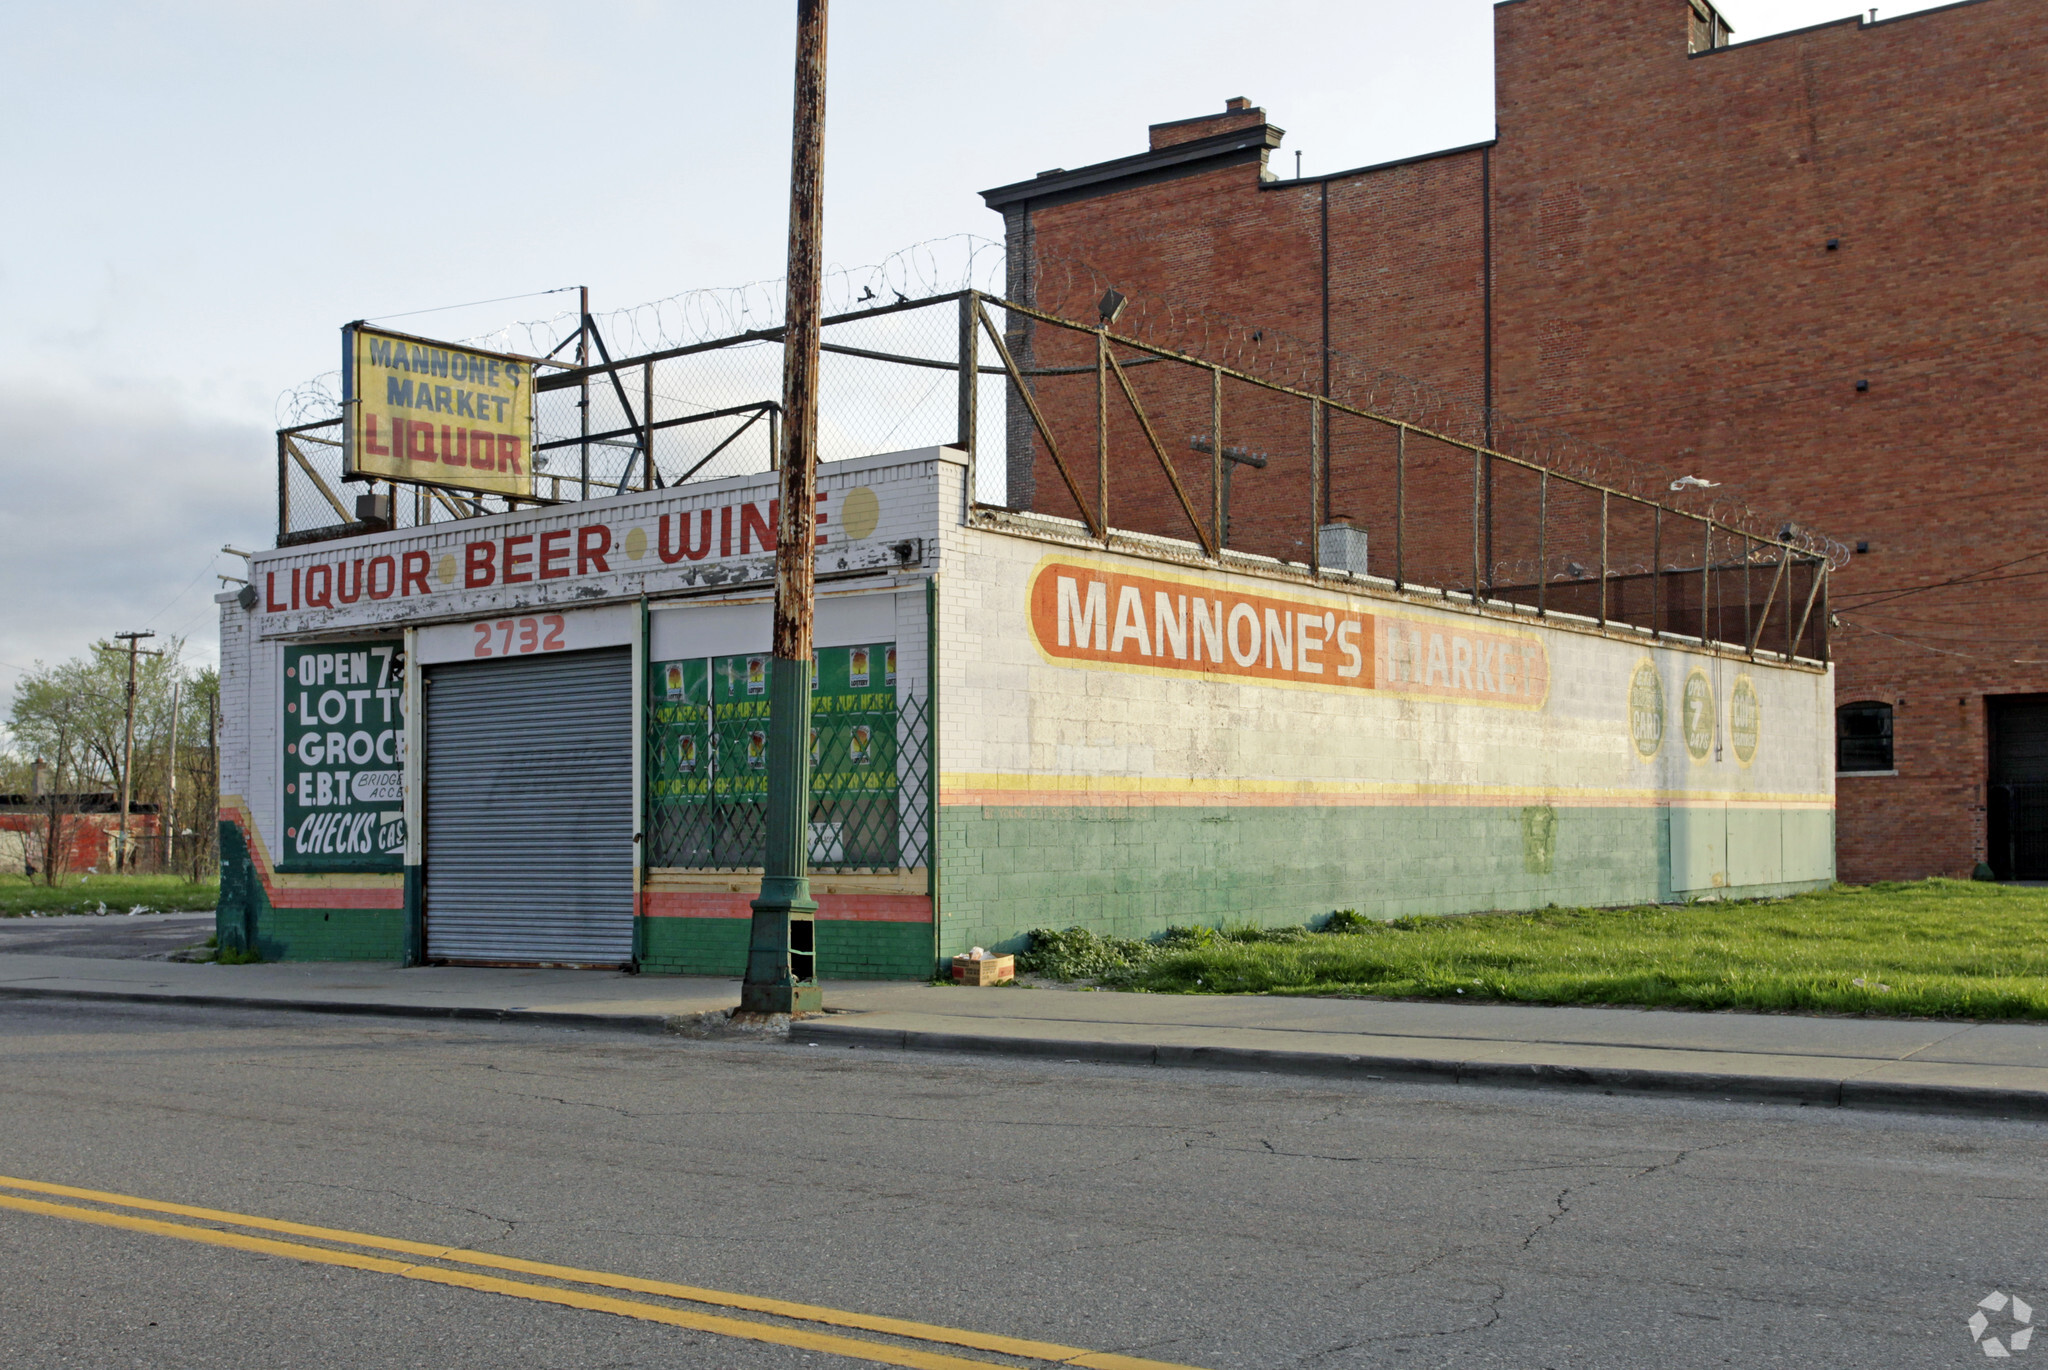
[[1997, 1068]]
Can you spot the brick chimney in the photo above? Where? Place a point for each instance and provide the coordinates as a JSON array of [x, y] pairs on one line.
[[1238, 112]]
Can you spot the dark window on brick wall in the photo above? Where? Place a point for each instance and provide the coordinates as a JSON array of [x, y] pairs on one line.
[[1863, 737]]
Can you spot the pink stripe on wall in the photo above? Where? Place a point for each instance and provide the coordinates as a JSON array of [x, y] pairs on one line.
[[866, 908]]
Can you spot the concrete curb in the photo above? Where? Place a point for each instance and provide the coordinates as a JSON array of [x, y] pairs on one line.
[[617, 1022], [1821, 1091]]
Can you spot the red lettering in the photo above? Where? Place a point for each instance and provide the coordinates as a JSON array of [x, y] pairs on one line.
[[341, 590], [515, 560], [479, 565], [320, 586], [370, 437], [412, 570], [752, 523], [390, 579], [271, 603], [419, 441], [821, 518], [295, 587], [508, 453], [725, 531], [448, 452], [550, 556], [591, 545], [480, 444], [686, 546]]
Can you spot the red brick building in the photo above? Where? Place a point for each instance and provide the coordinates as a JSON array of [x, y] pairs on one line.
[[1813, 268]]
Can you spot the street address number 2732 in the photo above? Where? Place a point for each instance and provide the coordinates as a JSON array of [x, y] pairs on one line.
[[520, 636]]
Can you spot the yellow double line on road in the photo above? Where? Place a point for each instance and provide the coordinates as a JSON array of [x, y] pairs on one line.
[[857, 1348]]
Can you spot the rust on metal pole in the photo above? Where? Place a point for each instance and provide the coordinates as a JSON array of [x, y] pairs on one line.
[[782, 946]]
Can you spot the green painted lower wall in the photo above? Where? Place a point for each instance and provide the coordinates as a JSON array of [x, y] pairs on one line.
[[848, 949], [1132, 871], [245, 915]]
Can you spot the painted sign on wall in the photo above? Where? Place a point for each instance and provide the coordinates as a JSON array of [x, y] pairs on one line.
[[344, 731], [1110, 617], [423, 411]]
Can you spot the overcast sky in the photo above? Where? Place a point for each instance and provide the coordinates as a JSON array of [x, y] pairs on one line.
[[198, 195]]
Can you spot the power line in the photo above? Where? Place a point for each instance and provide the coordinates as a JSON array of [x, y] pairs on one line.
[[1967, 577], [444, 308]]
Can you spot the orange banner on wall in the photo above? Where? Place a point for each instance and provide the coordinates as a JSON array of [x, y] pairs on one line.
[[1106, 616]]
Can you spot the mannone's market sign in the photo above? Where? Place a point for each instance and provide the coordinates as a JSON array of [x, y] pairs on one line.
[[1108, 617]]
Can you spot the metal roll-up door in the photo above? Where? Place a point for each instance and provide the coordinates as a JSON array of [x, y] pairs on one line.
[[529, 821]]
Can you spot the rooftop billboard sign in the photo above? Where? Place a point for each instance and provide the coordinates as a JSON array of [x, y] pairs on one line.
[[422, 411]]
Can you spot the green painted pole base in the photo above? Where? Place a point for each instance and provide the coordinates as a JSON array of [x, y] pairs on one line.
[[782, 955]]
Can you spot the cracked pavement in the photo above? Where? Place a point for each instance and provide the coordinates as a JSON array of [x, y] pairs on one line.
[[1218, 1220]]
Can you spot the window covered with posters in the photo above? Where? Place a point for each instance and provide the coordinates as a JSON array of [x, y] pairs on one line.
[[707, 754]]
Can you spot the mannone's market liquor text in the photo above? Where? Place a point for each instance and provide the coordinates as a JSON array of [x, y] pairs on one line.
[[539, 738]]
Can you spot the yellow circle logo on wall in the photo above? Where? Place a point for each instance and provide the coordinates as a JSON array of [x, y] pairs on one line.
[[444, 570], [859, 514], [636, 543], [1699, 715], [1745, 719], [1646, 710]]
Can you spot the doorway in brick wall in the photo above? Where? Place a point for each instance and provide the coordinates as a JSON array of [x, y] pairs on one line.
[[2017, 804]]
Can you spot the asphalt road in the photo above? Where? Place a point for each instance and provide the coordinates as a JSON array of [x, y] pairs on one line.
[[141, 936], [1208, 1219]]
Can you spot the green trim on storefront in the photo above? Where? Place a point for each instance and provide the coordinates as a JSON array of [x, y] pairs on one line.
[[1135, 871], [848, 949], [245, 918]]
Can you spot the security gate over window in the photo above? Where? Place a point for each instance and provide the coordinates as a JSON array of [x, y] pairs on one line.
[[529, 810]]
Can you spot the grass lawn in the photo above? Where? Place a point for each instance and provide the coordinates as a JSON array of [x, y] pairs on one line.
[[85, 894], [1945, 948]]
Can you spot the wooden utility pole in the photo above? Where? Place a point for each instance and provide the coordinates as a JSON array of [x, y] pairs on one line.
[[134, 641], [169, 817], [782, 948]]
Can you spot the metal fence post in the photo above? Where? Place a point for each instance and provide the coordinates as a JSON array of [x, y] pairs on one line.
[[284, 497], [1657, 571], [1478, 486], [970, 388], [1102, 428], [1315, 487], [1216, 513], [1603, 558], [1400, 505], [647, 418], [1706, 578]]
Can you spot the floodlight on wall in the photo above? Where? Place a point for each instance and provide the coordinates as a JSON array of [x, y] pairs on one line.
[[246, 597], [1111, 306]]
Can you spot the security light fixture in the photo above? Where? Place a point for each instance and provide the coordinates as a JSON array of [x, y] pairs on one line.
[[246, 597], [1834, 243], [1862, 386], [1111, 306]]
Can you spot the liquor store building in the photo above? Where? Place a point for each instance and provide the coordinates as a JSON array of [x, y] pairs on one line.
[[539, 738]]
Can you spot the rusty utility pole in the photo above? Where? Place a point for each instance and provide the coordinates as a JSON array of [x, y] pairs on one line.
[[134, 641], [782, 975]]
